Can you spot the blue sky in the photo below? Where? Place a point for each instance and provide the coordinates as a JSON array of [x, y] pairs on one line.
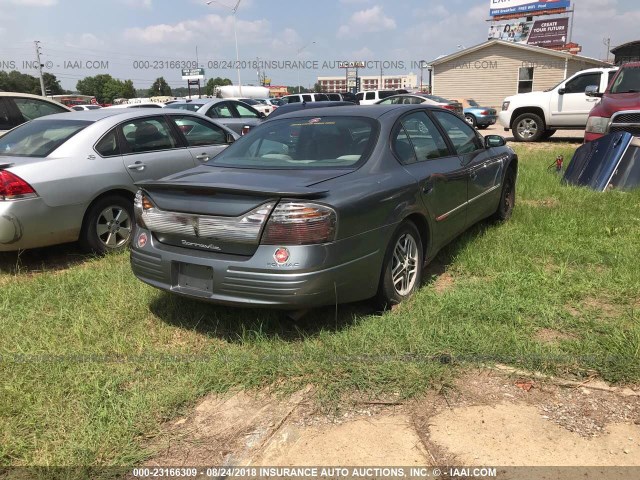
[[129, 33]]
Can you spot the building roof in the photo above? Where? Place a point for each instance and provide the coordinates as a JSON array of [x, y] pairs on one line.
[[530, 48], [635, 43]]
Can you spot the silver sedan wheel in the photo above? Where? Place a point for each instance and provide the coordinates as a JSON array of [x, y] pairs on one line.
[[404, 268], [527, 128], [113, 227]]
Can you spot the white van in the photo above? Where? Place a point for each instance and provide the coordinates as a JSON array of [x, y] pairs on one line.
[[372, 96], [305, 97]]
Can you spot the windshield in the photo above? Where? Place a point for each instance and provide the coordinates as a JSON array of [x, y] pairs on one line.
[[472, 102], [554, 87], [627, 81], [303, 143], [192, 107], [39, 138]]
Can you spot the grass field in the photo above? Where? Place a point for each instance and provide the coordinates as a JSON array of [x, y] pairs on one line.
[[92, 361]]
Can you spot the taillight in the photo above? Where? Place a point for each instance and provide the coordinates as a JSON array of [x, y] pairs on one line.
[[484, 112], [449, 107], [13, 187], [245, 129], [140, 204], [293, 223]]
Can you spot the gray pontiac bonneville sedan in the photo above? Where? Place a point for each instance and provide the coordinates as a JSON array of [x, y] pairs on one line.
[[321, 207]]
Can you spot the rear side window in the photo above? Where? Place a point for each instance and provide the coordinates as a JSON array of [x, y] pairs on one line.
[[148, 134], [220, 110], [306, 98], [418, 139], [6, 122], [192, 107], [370, 96], [294, 99], [39, 139], [108, 145], [462, 136], [386, 93], [32, 108], [245, 111]]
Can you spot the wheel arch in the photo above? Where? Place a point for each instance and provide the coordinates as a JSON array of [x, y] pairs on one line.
[[528, 109], [424, 229], [122, 192]]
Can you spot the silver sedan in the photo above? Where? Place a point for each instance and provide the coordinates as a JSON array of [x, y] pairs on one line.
[[71, 176]]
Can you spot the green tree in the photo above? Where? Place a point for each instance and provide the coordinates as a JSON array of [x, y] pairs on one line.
[[210, 87], [298, 89], [15, 81], [52, 84], [104, 87], [128, 90], [160, 88], [317, 87]]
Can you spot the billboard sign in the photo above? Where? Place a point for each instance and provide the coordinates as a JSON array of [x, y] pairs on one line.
[[541, 33], [525, 7], [350, 64], [192, 73]]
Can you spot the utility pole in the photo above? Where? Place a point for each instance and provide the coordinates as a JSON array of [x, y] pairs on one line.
[[607, 43], [37, 43]]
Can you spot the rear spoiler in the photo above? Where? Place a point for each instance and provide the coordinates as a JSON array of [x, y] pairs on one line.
[[292, 192]]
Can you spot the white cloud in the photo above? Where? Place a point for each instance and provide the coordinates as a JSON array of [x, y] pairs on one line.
[[30, 3], [146, 4], [366, 21], [209, 27]]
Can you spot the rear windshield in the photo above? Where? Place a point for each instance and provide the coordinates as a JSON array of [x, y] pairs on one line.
[[192, 107], [39, 138], [303, 143], [249, 101], [627, 81]]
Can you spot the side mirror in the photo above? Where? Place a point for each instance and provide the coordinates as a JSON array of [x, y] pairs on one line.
[[494, 141], [592, 91], [230, 138], [561, 91]]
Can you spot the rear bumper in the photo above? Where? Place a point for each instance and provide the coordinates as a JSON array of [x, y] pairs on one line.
[[483, 120], [315, 275], [31, 223]]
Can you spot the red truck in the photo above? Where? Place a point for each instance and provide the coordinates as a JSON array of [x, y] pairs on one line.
[[619, 109]]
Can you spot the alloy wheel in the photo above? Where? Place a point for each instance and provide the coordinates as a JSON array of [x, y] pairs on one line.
[[527, 128], [113, 227], [404, 267]]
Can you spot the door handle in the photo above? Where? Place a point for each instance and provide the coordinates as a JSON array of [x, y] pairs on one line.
[[203, 157], [139, 166], [473, 175], [428, 186]]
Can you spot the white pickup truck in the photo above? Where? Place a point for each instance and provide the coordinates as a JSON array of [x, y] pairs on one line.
[[536, 116]]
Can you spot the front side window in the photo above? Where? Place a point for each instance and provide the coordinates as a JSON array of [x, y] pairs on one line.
[[148, 135], [525, 79], [6, 122], [307, 98], [462, 136], [580, 84], [391, 101], [32, 108], [40, 138], [303, 143], [199, 132], [371, 96]]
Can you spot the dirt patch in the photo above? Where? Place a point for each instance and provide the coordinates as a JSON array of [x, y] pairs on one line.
[[549, 335], [437, 275], [484, 419]]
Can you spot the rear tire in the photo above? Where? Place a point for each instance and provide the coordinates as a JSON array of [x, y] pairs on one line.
[[402, 266], [108, 225], [471, 120], [507, 198], [528, 127]]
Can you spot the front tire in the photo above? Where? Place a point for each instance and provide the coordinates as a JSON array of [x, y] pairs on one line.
[[108, 225], [402, 267], [528, 127], [507, 198]]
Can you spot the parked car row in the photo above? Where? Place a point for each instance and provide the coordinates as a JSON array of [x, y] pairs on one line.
[[279, 220]]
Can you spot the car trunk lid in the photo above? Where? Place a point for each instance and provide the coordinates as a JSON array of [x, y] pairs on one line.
[[225, 209]]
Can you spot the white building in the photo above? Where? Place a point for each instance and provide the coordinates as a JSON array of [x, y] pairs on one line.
[[370, 82]]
